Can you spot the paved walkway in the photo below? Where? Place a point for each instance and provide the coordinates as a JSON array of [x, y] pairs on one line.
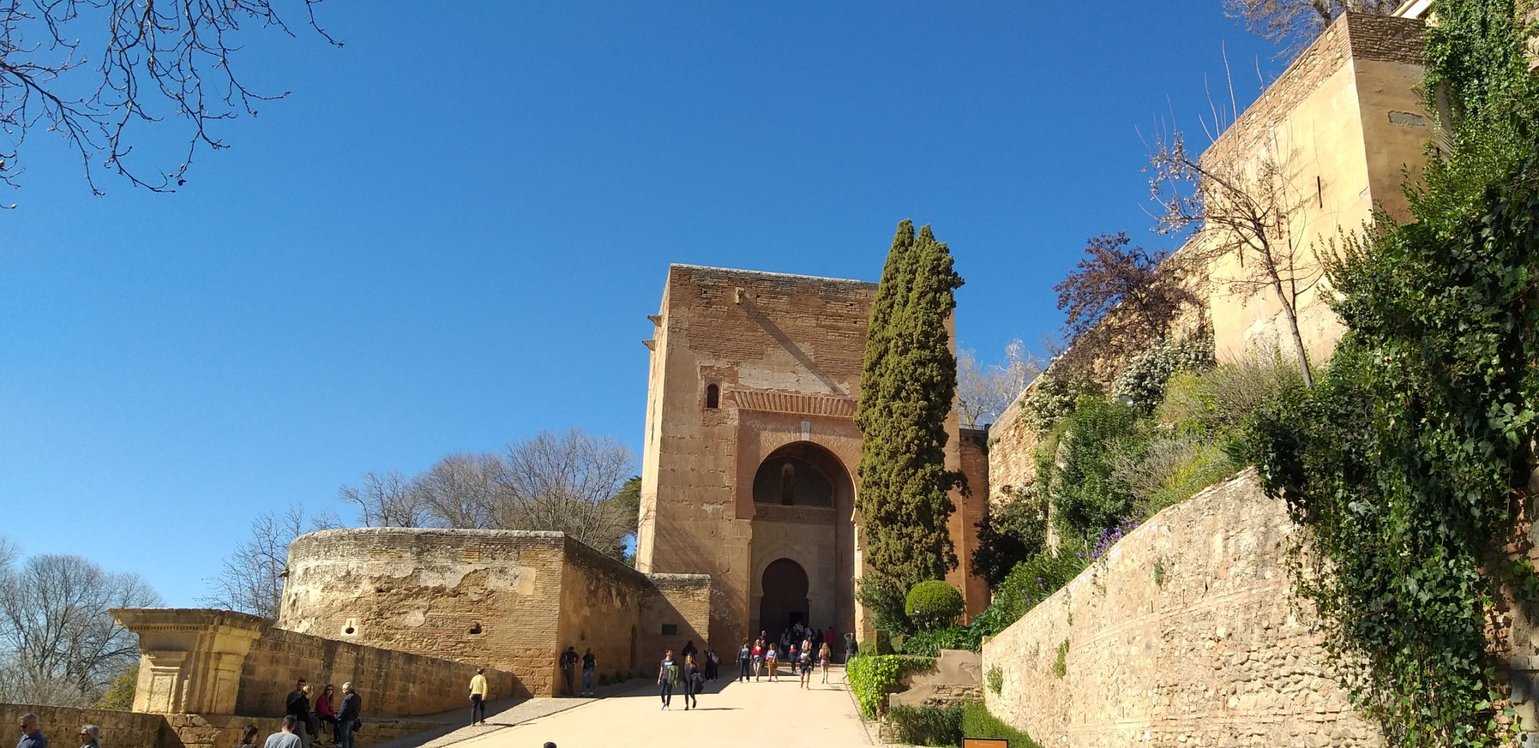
[[771, 714]]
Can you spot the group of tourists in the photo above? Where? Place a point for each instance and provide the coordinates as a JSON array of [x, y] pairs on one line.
[[309, 719], [760, 660], [568, 662], [32, 734]]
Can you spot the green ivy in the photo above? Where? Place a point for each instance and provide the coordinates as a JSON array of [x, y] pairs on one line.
[[1406, 461], [995, 679], [977, 722], [1061, 661], [873, 677]]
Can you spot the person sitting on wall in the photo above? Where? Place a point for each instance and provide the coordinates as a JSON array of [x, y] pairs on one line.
[[90, 736], [325, 712]]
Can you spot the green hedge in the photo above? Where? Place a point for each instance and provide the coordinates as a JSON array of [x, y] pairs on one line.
[[978, 723], [872, 678], [927, 725]]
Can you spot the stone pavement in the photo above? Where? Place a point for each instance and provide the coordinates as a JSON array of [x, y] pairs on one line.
[[730, 714]]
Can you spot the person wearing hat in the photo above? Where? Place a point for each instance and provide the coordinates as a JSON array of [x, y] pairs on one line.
[[90, 737]]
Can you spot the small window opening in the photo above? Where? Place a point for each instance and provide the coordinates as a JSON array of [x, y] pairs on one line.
[[712, 396], [670, 629], [475, 628], [348, 630]]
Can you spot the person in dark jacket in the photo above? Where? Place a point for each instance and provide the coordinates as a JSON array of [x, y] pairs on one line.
[[348, 717], [31, 733]]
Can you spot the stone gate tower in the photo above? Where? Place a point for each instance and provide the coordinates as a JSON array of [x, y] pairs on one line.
[[750, 454]]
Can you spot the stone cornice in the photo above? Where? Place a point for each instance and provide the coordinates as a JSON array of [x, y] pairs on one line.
[[794, 403]]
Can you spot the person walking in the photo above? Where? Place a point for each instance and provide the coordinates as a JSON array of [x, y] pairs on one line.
[[589, 667], [286, 737], [478, 697], [667, 675], [692, 681], [90, 736], [771, 657], [744, 661], [348, 717], [804, 664], [569, 668], [758, 659], [824, 653]]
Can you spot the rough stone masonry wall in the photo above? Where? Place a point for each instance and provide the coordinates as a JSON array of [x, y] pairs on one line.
[[1185, 634], [61, 724], [399, 684], [477, 596]]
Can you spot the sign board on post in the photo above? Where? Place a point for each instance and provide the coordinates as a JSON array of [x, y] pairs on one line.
[[985, 743]]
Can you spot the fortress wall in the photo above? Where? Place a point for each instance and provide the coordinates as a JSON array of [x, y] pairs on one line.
[[118, 728], [398, 684], [1185, 634]]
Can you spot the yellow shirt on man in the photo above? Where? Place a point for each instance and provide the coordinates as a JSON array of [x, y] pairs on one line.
[[478, 685]]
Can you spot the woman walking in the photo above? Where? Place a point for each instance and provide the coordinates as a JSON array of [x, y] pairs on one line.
[[824, 653], [770, 657], [692, 681], [667, 675]]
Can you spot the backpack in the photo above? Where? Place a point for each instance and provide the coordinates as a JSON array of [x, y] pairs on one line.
[[673, 673]]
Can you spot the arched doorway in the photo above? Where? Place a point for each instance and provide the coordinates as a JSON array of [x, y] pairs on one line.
[[803, 545], [784, 603]]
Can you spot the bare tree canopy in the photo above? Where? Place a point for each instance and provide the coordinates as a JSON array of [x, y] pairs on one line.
[[986, 390], [252, 578], [58, 643], [1249, 212], [100, 72], [1295, 23], [1120, 298], [572, 482]]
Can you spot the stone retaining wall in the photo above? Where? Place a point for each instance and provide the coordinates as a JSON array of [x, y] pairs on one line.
[[1184, 634]]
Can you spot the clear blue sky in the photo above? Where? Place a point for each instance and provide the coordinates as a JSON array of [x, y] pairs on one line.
[[448, 237]]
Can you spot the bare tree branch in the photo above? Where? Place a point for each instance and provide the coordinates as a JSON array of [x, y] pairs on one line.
[[154, 62]]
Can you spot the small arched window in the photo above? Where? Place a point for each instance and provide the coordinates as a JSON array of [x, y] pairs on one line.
[[712, 396]]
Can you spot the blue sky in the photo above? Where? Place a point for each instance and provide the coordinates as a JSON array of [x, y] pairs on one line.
[[448, 237]]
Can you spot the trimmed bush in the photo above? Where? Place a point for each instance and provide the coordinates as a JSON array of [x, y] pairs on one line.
[[930, 643], [927, 725], [933, 604], [873, 677], [977, 722]]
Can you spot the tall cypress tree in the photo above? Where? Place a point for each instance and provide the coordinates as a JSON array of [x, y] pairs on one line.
[[907, 386]]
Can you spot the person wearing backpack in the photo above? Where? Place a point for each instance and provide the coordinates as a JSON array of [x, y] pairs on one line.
[[667, 675]]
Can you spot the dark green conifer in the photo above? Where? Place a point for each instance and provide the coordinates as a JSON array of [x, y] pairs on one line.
[[908, 384]]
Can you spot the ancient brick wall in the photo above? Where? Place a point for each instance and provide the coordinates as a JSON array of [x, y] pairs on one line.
[[969, 508], [118, 728], [509, 600], [1185, 634], [398, 684]]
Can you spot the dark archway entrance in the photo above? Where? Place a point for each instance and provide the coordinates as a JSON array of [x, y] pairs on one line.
[[785, 601]]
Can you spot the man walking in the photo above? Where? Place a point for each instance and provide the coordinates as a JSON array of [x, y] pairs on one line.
[[285, 738], [478, 697], [31, 734], [347, 719], [568, 667]]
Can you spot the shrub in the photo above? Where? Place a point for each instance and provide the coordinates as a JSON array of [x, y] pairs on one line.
[[885, 602], [1010, 533], [996, 681], [1033, 581], [1051, 398], [873, 677], [930, 643], [933, 604], [927, 725], [1078, 470], [977, 722], [1142, 382]]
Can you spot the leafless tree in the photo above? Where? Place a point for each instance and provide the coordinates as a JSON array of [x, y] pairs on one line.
[[1119, 299], [388, 499], [985, 391], [58, 643], [1295, 23], [1249, 212], [251, 580], [97, 72], [570, 482]]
